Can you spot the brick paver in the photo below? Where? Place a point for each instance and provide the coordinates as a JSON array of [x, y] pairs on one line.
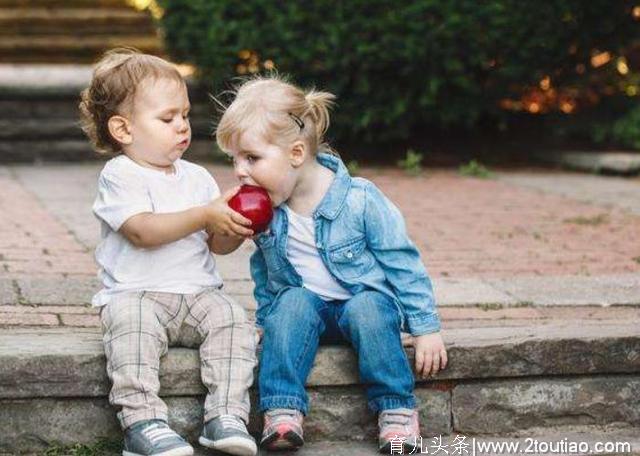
[[465, 228], [33, 242], [468, 227]]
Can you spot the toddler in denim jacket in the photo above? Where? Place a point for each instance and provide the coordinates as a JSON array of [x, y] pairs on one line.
[[335, 266]]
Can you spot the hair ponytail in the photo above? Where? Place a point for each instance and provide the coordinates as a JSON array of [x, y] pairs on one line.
[[319, 105], [277, 109]]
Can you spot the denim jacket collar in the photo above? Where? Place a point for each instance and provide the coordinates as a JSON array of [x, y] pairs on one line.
[[334, 199]]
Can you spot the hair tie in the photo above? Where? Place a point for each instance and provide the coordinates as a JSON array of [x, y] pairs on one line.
[[297, 120]]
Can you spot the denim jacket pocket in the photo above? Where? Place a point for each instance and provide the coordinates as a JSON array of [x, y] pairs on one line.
[[352, 259], [267, 244]]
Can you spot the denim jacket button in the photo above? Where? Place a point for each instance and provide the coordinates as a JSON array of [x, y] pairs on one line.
[[349, 254], [319, 245]]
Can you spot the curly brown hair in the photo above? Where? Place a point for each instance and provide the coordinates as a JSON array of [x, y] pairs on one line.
[[116, 77]]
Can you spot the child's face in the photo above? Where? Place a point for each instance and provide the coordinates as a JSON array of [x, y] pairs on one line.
[[258, 162], [159, 124]]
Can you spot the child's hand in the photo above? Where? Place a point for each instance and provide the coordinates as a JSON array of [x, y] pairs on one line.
[[431, 356], [223, 220]]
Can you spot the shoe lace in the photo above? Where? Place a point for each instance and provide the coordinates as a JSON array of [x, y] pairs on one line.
[[395, 419], [232, 421], [157, 432]]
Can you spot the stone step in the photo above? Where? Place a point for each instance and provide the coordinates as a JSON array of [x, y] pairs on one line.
[[64, 3], [42, 123], [499, 380], [21, 22], [558, 442], [61, 48], [69, 128], [51, 101], [78, 150]]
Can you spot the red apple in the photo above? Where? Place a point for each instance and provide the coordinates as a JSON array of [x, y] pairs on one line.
[[254, 203]]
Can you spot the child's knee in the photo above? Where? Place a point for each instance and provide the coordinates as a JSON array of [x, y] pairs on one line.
[[371, 310], [218, 310], [129, 313], [295, 306]]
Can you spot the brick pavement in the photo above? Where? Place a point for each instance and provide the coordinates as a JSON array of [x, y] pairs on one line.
[[466, 228]]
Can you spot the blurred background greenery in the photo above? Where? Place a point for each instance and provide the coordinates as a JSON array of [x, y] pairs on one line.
[[432, 74]]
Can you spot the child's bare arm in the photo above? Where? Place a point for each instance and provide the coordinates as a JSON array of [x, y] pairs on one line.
[[149, 230], [222, 245]]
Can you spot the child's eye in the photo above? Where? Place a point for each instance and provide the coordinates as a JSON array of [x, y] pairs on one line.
[[167, 120], [251, 158]]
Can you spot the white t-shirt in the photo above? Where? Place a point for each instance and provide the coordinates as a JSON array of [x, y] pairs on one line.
[[303, 255], [126, 188]]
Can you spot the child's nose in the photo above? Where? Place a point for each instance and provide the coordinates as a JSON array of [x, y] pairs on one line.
[[240, 171], [184, 125]]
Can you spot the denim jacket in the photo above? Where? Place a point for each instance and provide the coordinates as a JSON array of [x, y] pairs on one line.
[[362, 240]]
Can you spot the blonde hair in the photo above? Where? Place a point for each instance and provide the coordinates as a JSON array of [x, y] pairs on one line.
[[282, 113], [116, 78]]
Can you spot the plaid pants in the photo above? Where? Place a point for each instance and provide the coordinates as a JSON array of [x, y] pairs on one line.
[[139, 327]]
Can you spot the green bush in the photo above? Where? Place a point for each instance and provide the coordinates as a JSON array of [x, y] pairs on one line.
[[411, 163], [398, 66], [474, 169]]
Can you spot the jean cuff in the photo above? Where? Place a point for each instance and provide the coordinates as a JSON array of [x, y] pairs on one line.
[[383, 403], [129, 419], [240, 412], [287, 402]]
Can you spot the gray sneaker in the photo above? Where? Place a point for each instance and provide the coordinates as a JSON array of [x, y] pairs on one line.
[[154, 437], [228, 433]]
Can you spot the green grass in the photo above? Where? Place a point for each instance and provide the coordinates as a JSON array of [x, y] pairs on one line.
[[353, 167], [596, 220], [411, 164], [99, 448], [474, 169], [489, 306]]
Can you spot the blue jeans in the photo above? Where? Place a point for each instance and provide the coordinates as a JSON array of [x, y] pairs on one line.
[[299, 320]]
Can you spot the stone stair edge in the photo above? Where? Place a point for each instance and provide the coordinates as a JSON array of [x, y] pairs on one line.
[[69, 3], [12, 129], [331, 421], [525, 292], [32, 89], [51, 363], [589, 435]]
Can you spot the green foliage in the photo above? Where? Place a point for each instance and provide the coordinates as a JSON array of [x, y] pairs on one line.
[[474, 169], [596, 220], [353, 167], [626, 130], [411, 163], [398, 66], [100, 448]]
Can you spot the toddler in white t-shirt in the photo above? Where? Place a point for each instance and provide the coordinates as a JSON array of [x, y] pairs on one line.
[[161, 217]]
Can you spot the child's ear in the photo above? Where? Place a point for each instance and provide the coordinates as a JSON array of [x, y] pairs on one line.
[[120, 129], [298, 154]]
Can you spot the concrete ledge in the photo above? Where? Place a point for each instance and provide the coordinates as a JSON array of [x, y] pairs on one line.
[[571, 291], [499, 380], [78, 150], [337, 414], [509, 406], [528, 408], [60, 363], [614, 162]]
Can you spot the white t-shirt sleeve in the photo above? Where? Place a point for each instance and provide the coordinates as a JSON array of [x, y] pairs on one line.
[[120, 196]]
